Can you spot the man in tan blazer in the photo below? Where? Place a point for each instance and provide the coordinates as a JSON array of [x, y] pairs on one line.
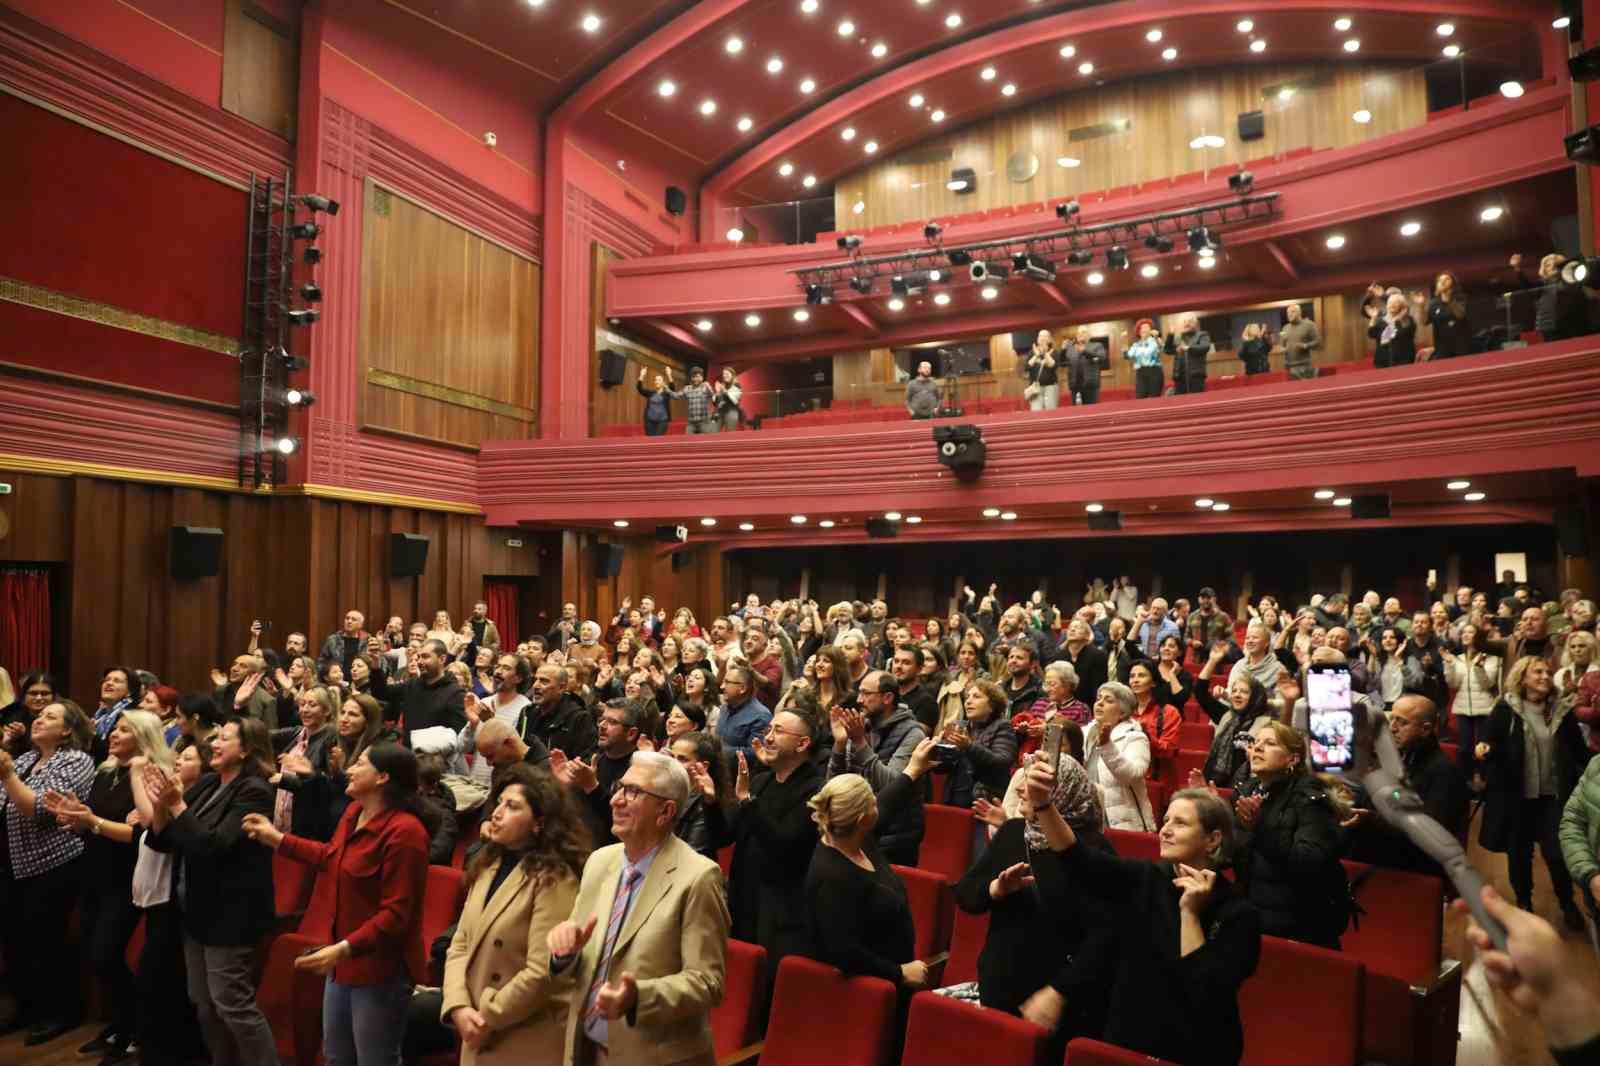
[[646, 945]]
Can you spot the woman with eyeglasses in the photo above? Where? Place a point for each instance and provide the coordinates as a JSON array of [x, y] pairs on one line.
[[37, 691]]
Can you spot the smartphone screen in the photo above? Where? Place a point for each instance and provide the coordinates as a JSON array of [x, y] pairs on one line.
[[1054, 734], [1332, 722]]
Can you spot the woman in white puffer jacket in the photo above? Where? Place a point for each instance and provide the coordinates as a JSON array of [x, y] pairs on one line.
[[1116, 753]]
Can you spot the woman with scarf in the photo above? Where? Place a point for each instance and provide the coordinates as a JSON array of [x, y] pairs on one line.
[[1532, 754], [1236, 717], [119, 691]]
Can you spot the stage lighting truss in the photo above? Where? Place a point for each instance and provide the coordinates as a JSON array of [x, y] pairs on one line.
[[1041, 254]]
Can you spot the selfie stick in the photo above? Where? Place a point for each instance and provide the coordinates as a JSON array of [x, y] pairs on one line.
[[1399, 805]]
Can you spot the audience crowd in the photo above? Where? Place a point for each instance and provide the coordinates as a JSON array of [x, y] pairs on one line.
[[589, 780]]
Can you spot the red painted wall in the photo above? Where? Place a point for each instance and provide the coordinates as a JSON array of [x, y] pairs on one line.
[[178, 42], [639, 191]]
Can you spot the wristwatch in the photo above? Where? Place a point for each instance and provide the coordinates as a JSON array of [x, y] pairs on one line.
[[94, 827]]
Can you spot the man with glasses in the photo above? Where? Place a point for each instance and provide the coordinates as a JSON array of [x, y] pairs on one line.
[[876, 742], [743, 718], [645, 950], [774, 836], [1432, 775], [595, 780]]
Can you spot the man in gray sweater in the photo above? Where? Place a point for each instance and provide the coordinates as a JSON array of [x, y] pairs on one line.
[[1299, 338], [922, 392]]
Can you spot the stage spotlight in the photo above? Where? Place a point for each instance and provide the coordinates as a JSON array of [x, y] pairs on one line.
[[290, 363], [285, 445], [1080, 257], [818, 294], [303, 317], [319, 203], [862, 284], [1242, 182], [849, 242], [1117, 257], [304, 231], [1585, 66], [311, 292], [1582, 272], [1067, 210], [313, 255], [298, 398], [1038, 268], [931, 231], [960, 257], [982, 271], [1158, 242], [1584, 146], [1201, 238]]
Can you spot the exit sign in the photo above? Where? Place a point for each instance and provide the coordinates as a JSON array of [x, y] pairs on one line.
[[511, 543], [5, 488]]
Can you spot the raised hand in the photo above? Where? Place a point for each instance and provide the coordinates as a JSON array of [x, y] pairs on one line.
[[1013, 878], [921, 758], [616, 998], [335, 759], [989, 813], [567, 938], [290, 763], [702, 782], [1247, 810], [1041, 782], [855, 725], [741, 783], [1196, 885], [469, 703], [259, 827]]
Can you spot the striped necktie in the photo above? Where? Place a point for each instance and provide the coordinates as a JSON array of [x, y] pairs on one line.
[[619, 910]]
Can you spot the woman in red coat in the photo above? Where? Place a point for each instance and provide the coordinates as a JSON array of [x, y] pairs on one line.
[[366, 905]]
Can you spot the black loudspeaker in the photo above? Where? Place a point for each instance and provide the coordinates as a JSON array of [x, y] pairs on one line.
[[1572, 529], [1022, 341], [1252, 125], [196, 552], [1373, 506], [408, 554], [680, 560], [677, 200], [672, 534], [613, 367], [882, 527], [962, 449], [1106, 521], [609, 563]]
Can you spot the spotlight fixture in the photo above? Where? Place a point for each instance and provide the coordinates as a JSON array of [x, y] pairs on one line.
[[704, 325], [802, 315], [1094, 508], [312, 202], [1204, 502], [304, 231], [1492, 213], [311, 292], [1068, 210], [752, 320], [1116, 257], [291, 363], [1361, 117], [286, 445], [1585, 66], [817, 293], [981, 271], [303, 317], [1473, 497], [620, 523], [959, 257], [298, 398], [1582, 272], [1095, 278], [897, 304], [991, 512], [1324, 494], [1149, 270], [862, 284], [849, 242], [1158, 242], [1584, 145], [942, 299], [313, 255], [1458, 486], [1080, 257], [1033, 265], [1201, 238], [931, 231], [1511, 89], [747, 527], [1242, 182]]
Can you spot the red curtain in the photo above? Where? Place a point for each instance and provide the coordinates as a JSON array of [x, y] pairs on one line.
[[24, 620], [504, 609]]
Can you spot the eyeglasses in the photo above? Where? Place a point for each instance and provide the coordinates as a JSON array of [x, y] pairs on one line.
[[780, 731], [631, 793]]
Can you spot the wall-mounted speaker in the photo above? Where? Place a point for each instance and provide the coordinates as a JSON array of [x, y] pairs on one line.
[[608, 561], [681, 560], [1375, 505], [672, 534], [1252, 125], [613, 367], [677, 200], [1106, 521], [1022, 341], [1572, 529], [408, 554], [196, 551], [882, 527]]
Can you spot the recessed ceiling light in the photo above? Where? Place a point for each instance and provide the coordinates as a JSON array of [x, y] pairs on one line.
[[870, 147], [704, 325], [1492, 213], [786, 169], [858, 207], [1094, 508], [774, 65], [1008, 516], [952, 20], [989, 292], [708, 107], [1457, 486], [991, 512], [1342, 24], [1245, 26], [708, 522], [1095, 278], [848, 133], [1204, 501], [590, 23], [893, 516], [916, 100], [897, 304], [1169, 54], [1452, 50], [1068, 161], [666, 88], [1341, 501], [1410, 229], [880, 50], [1335, 242], [1445, 29], [1362, 116], [1473, 497], [1068, 51], [1511, 89], [809, 85], [987, 74], [798, 519], [846, 28], [802, 315], [736, 234], [1561, 22], [1149, 270], [809, 180], [1324, 494], [1086, 68], [733, 45], [1352, 45], [826, 523], [1286, 93], [1008, 89], [941, 298], [809, 7], [1219, 506], [1153, 36], [752, 320], [1207, 262], [1258, 45], [937, 116], [748, 527], [620, 523], [913, 520], [745, 122]]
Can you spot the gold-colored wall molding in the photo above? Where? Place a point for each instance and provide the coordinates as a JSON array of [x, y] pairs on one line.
[[388, 379], [64, 303]]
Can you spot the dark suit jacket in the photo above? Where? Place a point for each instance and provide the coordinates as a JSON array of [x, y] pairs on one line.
[[225, 878]]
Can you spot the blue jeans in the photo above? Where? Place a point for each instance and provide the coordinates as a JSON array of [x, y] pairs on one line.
[[364, 1025]]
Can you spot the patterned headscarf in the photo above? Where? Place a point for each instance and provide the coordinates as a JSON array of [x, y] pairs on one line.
[[1074, 796]]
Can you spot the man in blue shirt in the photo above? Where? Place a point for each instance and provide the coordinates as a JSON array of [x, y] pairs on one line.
[[743, 718], [1155, 628]]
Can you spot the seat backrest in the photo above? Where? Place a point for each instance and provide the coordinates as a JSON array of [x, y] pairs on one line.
[[932, 904], [1086, 1052], [1401, 933], [967, 935], [291, 1001], [941, 1031], [442, 897], [946, 841], [860, 1017], [735, 1020], [292, 883], [1131, 845], [1302, 998]]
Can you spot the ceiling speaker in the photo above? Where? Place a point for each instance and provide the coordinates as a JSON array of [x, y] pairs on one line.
[[882, 527], [1106, 521], [1375, 505]]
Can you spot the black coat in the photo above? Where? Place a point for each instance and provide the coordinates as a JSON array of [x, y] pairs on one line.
[[1452, 335], [1289, 866], [1256, 356], [1183, 1008], [702, 827], [1400, 351], [774, 839], [310, 817], [1090, 666], [569, 726], [226, 877], [1502, 806]]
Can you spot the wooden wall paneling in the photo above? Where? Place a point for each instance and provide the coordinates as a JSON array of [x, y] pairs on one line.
[[1166, 114], [260, 67], [37, 518]]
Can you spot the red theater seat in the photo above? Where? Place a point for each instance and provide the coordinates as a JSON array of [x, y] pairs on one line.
[[1187, 760], [736, 1020], [1196, 736], [1302, 998], [1413, 997], [291, 1001], [1086, 1052], [967, 934], [946, 842], [1132, 845], [941, 1031], [292, 883], [859, 1014], [932, 905], [442, 897]]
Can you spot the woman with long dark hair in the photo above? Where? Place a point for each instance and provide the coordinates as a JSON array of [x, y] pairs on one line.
[[37, 691], [1447, 314], [366, 904], [498, 994], [703, 825]]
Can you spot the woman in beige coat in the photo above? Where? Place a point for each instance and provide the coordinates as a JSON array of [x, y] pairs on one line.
[[498, 994]]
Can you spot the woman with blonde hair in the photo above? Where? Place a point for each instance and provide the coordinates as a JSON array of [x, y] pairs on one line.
[[302, 752], [442, 630]]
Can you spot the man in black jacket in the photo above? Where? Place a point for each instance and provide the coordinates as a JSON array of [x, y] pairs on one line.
[[557, 717], [877, 743], [906, 665], [1085, 358], [342, 647], [592, 782], [1442, 787], [1189, 348], [432, 698]]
